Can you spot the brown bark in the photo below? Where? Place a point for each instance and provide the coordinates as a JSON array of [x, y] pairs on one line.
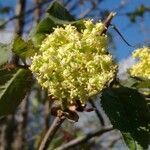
[[2, 138], [37, 11], [46, 115], [9, 126], [7, 129], [51, 132], [83, 139], [19, 25], [19, 138]]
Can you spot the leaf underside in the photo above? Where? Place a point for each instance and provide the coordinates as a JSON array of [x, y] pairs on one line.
[[128, 112]]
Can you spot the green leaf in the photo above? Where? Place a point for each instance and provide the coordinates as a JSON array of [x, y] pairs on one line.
[[132, 144], [56, 15], [4, 53], [5, 10], [13, 87], [58, 11], [128, 112], [135, 82], [130, 82], [144, 84], [40, 31], [138, 12], [22, 48]]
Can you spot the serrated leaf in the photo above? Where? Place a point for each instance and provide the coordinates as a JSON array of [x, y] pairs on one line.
[[23, 48], [4, 53], [13, 87], [56, 15], [128, 112]]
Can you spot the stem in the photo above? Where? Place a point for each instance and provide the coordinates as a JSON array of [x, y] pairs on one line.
[[83, 139], [117, 30], [100, 117], [37, 12], [20, 139], [107, 21], [51, 132], [19, 25], [23, 14]]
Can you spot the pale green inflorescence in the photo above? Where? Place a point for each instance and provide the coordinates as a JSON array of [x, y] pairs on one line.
[[142, 67], [72, 64]]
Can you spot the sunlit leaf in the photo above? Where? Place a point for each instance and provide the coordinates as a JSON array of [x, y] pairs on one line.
[[4, 53], [56, 15], [58, 11], [135, 82], [23, 48]]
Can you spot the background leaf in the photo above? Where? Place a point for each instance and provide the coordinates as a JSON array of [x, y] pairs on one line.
[[56, 15], [138, 12], [135, 82], [4, 53], [13, 87], [22, 48], [128, 112], [132, 144], [58, 11], [5, 10]]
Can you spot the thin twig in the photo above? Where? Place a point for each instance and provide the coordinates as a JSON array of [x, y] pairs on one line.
[[113, 142], [26, 13], [107, 21], [84, 138], [19, 25], [100, 117], [117, 30], [51, 132]]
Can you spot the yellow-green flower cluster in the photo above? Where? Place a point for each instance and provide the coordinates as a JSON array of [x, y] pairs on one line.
[[72, 64], [142, 67]]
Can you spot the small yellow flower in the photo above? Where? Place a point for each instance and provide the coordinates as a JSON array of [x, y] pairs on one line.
[[142, 67], [72, 64]]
